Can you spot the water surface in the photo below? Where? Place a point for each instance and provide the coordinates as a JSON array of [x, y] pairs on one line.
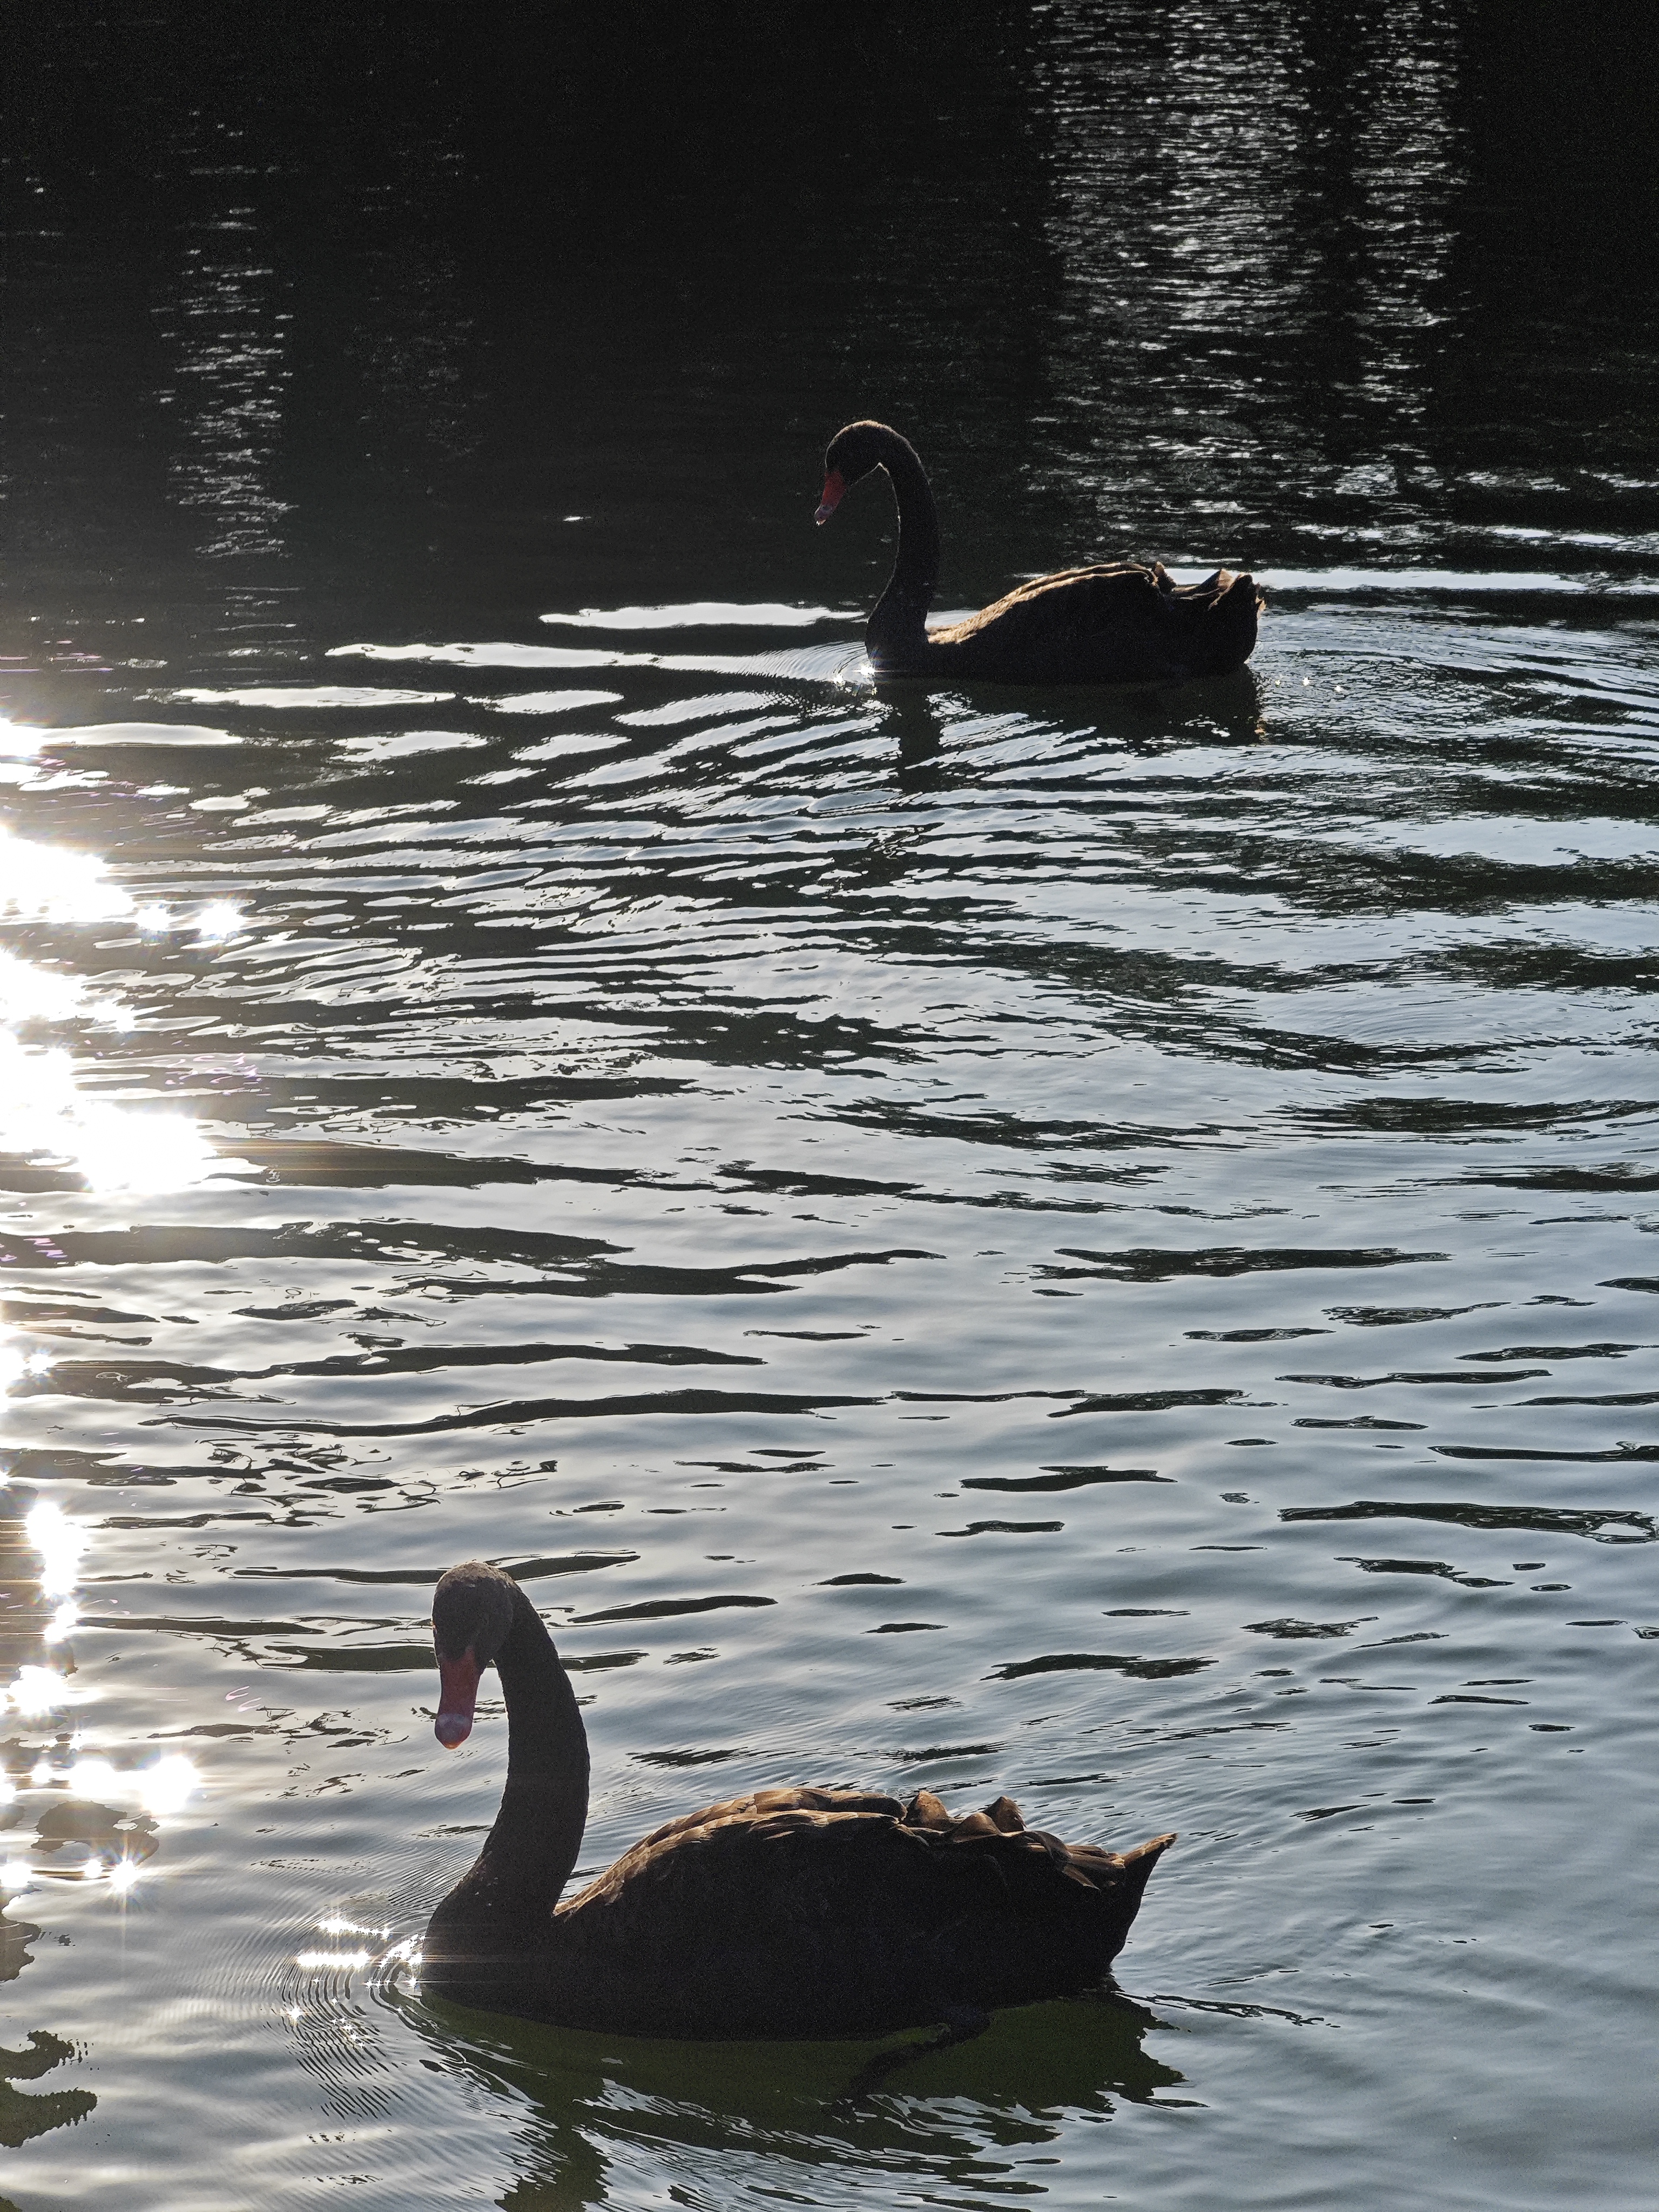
[[509, 1041]]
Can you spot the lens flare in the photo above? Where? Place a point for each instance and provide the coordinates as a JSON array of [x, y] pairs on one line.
[[15, 1875], [123, 1875], [218, 922]]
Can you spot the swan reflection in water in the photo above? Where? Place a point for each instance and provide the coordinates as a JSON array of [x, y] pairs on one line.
[[591, 2108], [957, 2113], [1141, 719]]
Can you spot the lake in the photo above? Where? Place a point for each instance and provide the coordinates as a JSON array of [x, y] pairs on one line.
[[509, 1038]]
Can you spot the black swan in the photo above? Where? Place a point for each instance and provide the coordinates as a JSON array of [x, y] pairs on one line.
[[789, 1915], [1121, 623]]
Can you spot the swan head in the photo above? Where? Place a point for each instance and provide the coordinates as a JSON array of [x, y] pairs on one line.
[[471, 1620], [852, 453]]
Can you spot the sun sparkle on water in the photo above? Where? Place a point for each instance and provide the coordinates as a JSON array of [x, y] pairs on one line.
[[114, 1146], [17, 1366], [56, 884], [168, 1785], [219, 921], [36, 1691], [60, 1542], [94, 1777]]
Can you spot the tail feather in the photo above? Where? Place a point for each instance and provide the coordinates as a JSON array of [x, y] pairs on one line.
[[1138, 1865]]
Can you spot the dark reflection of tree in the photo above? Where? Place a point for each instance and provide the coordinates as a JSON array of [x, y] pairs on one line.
[[1253, 235], [948, 2110], [443, 286], [1140, 281]]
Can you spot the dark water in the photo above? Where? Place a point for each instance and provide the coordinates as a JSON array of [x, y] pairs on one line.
[[508, 1041]]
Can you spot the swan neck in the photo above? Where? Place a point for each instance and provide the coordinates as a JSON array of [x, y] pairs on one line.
[[538, 1830], [898, 630]]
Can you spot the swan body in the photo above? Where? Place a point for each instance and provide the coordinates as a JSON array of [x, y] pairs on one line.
[[1117, 623], [786, 1915]]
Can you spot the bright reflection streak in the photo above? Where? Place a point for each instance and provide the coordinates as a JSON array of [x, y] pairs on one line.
[[18, 741], [218, 922], [114, 1146], [8, 1790], [56, 884], [64, 1622], [321, 1961], [15, 1874], [168, 1785], [29, 994], [37, 1690], [60, 1542], [51, 883], [20, 1366], [95, 1777], [164, 1788], [42, 1110], [118, 1150], [123, 1875]]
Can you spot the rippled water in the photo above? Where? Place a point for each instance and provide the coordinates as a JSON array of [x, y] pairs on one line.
[[510, 1040]]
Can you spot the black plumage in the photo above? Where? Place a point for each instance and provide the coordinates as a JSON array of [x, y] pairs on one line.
[[1119, 622], [789, 1914]]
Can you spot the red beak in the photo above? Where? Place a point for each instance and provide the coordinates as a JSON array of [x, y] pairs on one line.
[[458, 1693], [834, 487]]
